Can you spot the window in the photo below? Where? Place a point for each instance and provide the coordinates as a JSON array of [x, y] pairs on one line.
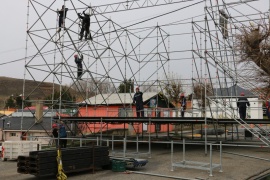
[[12, 134]]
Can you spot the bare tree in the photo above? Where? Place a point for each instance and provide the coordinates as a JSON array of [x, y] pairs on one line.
[[199, 95], [173, 88], [93, 87], [253, 42], [148, 87]]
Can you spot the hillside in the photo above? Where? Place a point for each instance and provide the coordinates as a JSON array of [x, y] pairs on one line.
[[13, 86]]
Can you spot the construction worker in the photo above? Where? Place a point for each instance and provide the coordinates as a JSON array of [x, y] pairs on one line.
[[183, 102], [242, 104], [85, 25], [62, 134], [55, 133], [223, 22], [78, 61], [138, 99], [267, 105], [62, 16]]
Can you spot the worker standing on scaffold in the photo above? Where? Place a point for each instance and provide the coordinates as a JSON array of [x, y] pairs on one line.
[[242, 104], [78, 61], [183, 102], [62, 16], [138, 99], [85, 26]]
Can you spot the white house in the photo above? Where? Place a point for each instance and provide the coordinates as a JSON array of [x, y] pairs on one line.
[[224, 104], [12, 129]]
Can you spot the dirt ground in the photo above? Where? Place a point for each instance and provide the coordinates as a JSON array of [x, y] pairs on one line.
[[235, 167]]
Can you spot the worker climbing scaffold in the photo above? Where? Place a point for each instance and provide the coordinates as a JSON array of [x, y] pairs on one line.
[[85, 26], [78, 60], [62, 16]]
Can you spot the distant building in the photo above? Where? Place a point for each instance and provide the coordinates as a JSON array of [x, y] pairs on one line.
[[229, 96], [120, 105], [13, 126], [12, 129]]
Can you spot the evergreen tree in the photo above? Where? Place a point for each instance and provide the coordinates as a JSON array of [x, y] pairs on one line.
[[67, 100], [126, 86], [18, 101], [27, 102], [10, 103]]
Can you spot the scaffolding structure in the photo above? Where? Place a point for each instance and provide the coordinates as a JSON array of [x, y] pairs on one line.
[[149, 55]]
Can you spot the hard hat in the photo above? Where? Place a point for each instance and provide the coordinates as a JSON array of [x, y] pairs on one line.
[[75, 55], [242, 94], [54, 125]]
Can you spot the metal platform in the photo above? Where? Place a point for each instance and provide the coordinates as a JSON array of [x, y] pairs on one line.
[[161, 120]]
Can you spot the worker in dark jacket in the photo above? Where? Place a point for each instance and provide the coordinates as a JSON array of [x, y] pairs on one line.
[[62, 16], [78, 61], [267, 105], [242, 104], [85, 25], [62, 134], [55, 133], [138, 99], [183, 102]]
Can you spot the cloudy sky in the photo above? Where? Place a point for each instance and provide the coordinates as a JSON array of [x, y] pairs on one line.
[[173, 19]]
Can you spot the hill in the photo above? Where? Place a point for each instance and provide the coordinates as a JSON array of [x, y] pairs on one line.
[[12, 86]]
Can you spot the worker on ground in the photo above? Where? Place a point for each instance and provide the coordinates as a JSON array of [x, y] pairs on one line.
[[55, 133], [78, 61], [183, 102], [85, 25], [62, 16], [62, 134], [138, 100], [242, 104]]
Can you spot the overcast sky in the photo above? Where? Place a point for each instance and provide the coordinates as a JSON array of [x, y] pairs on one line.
[[13, 16]]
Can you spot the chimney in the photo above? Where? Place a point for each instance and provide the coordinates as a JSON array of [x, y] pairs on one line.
[[39, 112]]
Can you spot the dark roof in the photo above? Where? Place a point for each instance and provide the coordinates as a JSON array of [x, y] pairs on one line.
[[232, 91], [162, 101], [28, 123]]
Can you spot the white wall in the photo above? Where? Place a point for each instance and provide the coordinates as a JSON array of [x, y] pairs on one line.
[[38, 136], [230, 110]]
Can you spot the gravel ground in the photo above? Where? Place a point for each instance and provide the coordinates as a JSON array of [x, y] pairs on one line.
[[234, 166]]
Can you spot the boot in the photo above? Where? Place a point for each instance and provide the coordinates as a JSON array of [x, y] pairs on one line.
[[81, 36], [90, 37]]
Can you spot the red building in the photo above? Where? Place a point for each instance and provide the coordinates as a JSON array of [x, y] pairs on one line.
[[120, 105]]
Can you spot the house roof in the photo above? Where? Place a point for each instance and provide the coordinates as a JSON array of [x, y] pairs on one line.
[[233, 91], [6, 112], [46, 113], [14, 123], [116, 98]]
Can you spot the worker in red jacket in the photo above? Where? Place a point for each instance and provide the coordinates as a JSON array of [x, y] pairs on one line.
[[55, 133]]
